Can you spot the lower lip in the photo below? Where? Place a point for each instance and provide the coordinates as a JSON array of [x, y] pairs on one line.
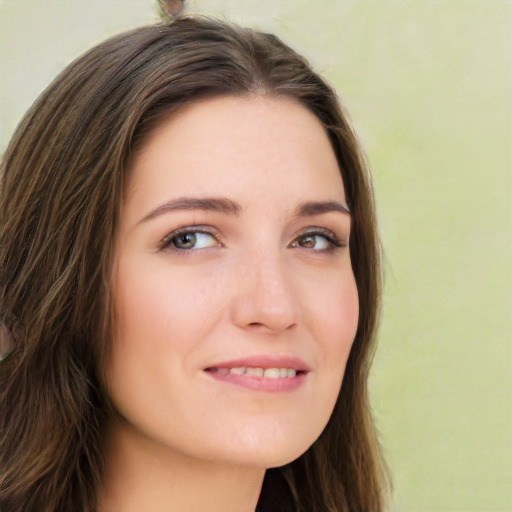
[[261, 384]]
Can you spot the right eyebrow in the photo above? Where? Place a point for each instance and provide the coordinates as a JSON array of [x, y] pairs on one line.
[[215, 204]]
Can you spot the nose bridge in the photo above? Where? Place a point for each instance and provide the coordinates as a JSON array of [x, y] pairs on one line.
[[266, 295]]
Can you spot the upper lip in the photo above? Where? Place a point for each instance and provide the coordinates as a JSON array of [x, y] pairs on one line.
[[264, 361]]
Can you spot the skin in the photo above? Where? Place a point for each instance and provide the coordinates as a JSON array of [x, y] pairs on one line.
[[262, 281]]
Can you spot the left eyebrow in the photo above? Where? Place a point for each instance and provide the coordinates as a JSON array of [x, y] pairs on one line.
[[318, 207]]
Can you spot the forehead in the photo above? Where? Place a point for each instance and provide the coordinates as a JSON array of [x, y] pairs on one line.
[[246, 145]]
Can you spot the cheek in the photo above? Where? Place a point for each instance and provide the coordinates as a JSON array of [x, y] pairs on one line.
[[163, 305], [162, 316], [334, 314], [336, 309]]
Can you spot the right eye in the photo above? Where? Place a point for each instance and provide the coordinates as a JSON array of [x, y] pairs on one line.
[[189, 239]]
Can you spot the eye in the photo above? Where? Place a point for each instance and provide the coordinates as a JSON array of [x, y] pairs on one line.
[[319, 239], [317, 242], [190, 238]]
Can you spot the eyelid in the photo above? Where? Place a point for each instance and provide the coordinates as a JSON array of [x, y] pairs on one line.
[[335, 241], [166, 242]]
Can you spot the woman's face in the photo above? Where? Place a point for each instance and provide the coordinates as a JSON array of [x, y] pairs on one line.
[[236, 304]]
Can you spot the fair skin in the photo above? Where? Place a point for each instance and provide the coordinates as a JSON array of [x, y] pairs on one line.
[[236, 305]]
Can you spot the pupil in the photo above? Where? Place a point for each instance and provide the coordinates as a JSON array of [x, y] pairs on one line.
[[185, 241]]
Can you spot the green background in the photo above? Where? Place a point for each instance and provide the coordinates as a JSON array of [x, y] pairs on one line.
[[428, 86]]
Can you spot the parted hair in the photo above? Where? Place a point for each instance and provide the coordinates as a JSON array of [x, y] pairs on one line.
[[62, 179]]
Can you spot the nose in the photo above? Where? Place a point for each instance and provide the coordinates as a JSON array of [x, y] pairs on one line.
[[265, 298]]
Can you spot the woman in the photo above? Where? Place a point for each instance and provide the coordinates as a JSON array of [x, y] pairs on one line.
[[190, 278]]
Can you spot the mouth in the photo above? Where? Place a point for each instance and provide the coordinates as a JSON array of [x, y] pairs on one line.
[[263, 374], [257, 372]]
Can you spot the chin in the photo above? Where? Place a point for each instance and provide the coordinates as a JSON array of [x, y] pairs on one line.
[[266, 449]]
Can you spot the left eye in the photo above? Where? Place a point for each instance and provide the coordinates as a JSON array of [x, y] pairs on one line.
[[315, 241], [191, 240]]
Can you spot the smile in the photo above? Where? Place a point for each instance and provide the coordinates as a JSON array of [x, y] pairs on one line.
[[261, 373], [274, 374]]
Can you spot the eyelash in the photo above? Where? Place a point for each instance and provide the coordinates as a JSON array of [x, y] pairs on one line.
[[167, 243], [333, 241]]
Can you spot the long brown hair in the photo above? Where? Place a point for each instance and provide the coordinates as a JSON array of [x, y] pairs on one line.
[[62, 180]]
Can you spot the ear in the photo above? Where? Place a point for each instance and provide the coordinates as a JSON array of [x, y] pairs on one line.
[[6, 342]]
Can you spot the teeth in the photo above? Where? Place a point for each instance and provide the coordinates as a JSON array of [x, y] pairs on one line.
[[271, 373], [261, 373], [254, 372]]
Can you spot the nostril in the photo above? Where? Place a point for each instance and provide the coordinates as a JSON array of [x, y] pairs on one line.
[[269, 326]]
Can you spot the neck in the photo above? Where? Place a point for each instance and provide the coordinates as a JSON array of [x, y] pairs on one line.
[[140, 474]]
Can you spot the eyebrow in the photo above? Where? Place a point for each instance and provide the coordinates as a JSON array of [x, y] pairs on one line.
[[228, 206], [318, 207], [214, 204]]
